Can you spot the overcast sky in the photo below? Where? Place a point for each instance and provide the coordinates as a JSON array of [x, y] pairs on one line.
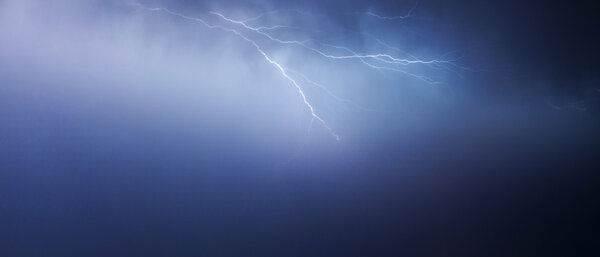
[[129, 130]]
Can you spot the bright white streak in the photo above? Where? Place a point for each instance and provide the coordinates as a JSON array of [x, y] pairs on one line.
[[386, 58], [264, 54], [305, 78]]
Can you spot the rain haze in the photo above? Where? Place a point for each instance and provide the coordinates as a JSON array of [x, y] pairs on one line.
[[298, 128]]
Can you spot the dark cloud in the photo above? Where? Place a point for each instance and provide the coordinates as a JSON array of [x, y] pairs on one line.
[[126, 132]]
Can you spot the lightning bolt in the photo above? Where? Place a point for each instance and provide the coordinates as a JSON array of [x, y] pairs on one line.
[[380, 57], [378, 61], [282, 70], [399, 17], [327, 91]]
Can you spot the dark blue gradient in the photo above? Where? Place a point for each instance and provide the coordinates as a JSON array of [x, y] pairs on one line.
[[128, 132]]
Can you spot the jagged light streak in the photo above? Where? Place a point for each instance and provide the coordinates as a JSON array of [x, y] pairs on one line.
[[326, 90], [437, 63], [400, 17], [378, 61], [382, 68], [283, 71], [386, 58], [439, 66]]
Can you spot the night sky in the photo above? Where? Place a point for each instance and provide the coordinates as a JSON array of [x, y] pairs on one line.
[[129, 128]]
